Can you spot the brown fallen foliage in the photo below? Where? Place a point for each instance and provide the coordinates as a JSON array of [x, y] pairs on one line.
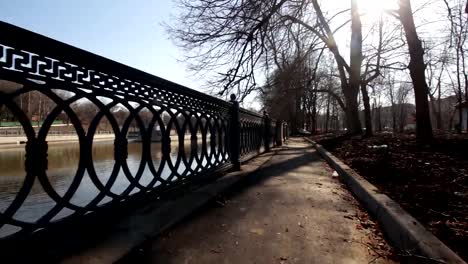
[[429, 181]]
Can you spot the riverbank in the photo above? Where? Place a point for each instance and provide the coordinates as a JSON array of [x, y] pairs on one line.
[[18, 141], [12, 142]]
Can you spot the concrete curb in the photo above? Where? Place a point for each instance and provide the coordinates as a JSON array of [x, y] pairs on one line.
[[403, 230], [159, 216]]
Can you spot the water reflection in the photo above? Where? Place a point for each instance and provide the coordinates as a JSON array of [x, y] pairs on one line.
[[63, 164]]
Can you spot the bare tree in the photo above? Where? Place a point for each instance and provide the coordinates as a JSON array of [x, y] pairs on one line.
[[350, 74], [458, 35], [417, 69], [436, 67], [368, 76], [240, 36]]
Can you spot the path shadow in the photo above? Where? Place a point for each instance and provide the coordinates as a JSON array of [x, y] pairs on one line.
[[300, 156]]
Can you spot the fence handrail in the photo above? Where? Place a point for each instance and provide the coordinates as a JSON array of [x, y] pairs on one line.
[[222, 135], [14, 36]]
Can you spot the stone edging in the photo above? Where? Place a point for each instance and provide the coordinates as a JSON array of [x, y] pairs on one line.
[[404, 231]]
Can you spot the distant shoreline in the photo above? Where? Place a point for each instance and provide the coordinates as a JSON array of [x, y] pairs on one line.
[[20, 141], [14, 142]]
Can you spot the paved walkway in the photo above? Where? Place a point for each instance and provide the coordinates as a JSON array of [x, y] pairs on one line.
[[291, 211]]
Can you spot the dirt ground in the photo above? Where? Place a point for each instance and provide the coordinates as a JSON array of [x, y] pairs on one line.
[[291, 211], [429, 181]]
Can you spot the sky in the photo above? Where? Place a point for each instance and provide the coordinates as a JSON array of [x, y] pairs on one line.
[[126, 31]]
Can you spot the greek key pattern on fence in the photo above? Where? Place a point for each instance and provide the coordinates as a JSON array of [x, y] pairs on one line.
[[177, 135]]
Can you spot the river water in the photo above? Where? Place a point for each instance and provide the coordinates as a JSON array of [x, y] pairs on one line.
[[62, 165]]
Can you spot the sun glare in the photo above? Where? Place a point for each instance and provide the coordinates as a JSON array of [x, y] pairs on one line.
[[372, 9]]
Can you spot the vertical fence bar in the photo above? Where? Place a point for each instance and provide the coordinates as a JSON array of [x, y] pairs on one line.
[[266, 131], [36, 161], [234, 133]]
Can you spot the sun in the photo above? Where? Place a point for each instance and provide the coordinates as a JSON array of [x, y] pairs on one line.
[[372, 9]]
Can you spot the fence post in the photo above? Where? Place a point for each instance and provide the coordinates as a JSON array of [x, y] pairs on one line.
[[279, 133], [234, 133], [266, 131]]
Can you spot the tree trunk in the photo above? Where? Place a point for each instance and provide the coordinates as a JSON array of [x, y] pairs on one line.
[[460, 98], [353, 123], [379, 117], [461, 43], [465, 76], [314, 114], [297, 108], [439, 108], [439, 102], [417, 72], [349, 88], [367, 109], [394, 121], [436, 112], [466, 96], [327, 115], [402, 119], [352, 91], [334, 121]]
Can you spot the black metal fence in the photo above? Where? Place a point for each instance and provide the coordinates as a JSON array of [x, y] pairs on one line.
[[184, 135]]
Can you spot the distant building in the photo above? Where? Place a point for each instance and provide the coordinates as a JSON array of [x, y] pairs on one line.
[[449, 116], [464, 107], [400, 117], [448, 113]]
